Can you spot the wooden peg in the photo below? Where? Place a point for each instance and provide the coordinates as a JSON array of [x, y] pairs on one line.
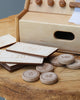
[[38, 2], [74, 4], [62, 3], [51, 2]]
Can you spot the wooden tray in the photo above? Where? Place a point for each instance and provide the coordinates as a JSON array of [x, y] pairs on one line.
[[12, 87]]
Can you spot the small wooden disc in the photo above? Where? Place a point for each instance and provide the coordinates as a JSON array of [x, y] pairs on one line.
[[46, 67], [75, 65], [66, 59], [54, 61], [30, 75], [48, 78]]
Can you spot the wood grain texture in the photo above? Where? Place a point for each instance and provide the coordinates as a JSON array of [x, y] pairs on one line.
[[12, 87]]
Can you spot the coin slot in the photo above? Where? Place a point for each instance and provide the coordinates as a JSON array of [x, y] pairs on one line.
[[64, 35]]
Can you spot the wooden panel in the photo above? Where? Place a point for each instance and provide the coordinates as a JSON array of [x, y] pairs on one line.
[[17, 23], [32, 49], [27, 2], [46, 18], [55, 9], [10, 40], [16, 58], [19, 16]]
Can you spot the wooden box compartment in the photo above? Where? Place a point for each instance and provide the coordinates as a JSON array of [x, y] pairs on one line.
[[48, 26]]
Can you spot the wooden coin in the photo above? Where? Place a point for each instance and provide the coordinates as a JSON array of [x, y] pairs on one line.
[[54, 61], [30, 75], [48, 78], [46, 67], [75, 65], [66, 59]]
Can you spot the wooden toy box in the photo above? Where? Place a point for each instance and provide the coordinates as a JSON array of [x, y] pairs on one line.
[[49, 26]]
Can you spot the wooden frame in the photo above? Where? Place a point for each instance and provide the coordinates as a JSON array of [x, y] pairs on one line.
[[19, 16]]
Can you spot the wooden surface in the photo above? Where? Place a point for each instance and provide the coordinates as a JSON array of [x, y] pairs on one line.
[[12, 87], [47, 18]]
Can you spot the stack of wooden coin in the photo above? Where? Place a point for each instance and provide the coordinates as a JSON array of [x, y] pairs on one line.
[[66, 59]]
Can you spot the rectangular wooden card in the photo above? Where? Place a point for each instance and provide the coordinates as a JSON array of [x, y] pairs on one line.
[[6, 40], [10, 57], [11, 67], [32, 49]]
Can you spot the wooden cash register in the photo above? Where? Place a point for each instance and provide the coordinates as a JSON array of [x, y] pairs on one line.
[[46, 24], [12, 87]]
